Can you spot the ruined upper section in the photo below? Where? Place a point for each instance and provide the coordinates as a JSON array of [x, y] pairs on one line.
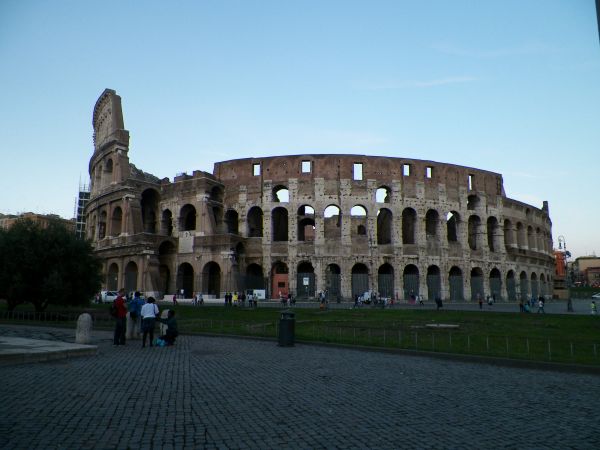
[[107, 121]]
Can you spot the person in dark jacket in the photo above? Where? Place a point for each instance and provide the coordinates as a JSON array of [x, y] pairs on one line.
[[172, 331]]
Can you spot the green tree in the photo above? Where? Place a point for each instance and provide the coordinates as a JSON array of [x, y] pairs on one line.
[[45, 266]]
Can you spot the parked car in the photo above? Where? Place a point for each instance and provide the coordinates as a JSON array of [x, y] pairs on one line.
[[596, 295], [108, 296]]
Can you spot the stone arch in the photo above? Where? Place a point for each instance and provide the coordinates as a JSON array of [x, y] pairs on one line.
[[187, 218], [306, 282], [434, 283], [281, 194], [217, 218], [102, 225], [332, 222], [535, 293], [116, 221], [358, 217], [255, 222], [521, 238], [452, 226], [496, 284], [385, 281], [112, 277], [166, 223], [492, 232], [511, 286], [474, 232], [333, 281], [477, 283], [409, 226], [280, 279], [509, 239], [306, 223], [410, 282], [384, 226], [216, 194], [432, 220], [360, 279], [524, 286], [279, 221], [211, 279], [530, 238], [455, 284], [131, 277], [383, 194], [185, 280], [165, 281], [149, 203], [232, 221]]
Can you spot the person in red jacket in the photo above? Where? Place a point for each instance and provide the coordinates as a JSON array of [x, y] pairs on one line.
[[120, 318]]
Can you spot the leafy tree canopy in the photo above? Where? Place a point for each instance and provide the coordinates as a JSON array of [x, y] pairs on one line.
[[46, 266]]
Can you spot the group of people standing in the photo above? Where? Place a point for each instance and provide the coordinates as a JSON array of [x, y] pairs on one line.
[[144, 314]]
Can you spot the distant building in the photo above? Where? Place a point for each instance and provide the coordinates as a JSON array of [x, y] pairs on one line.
[[7, 221], [586, 271]]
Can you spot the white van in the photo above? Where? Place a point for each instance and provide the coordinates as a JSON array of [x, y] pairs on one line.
[[108, 296]]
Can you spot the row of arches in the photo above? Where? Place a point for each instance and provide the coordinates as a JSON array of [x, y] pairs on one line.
[[454, 285]]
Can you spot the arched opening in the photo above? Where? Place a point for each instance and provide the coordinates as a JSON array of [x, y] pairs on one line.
[[492, 232], [255, 222], [509, 240], [217, 218], [524, 286], [165, 283], [332, 222], [530, 238], [452, 221], [281, 194], [360, 279], [187, 218], [305, 280], [521, 238], [185, 280], [385, 281], [279, 220], [511, 286], [384, 226], [102, 225], [543, 290], [149, 203], [432, 219], [474, 231], [333, 280], [116, 221], [306, 223], [280, 280], [112, 277], [383, 194], [216, 194], [534, 286], [434, 283], [409, 226], [131, 277], [477, 283], [495, 284], [411, 282], [166, 223], [231, 221], [358, 217], [455, 284], [211, 280]]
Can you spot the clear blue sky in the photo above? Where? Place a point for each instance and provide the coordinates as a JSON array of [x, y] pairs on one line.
[[508, 86]]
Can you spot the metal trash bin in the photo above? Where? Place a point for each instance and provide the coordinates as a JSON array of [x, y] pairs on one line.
[[287, 323]]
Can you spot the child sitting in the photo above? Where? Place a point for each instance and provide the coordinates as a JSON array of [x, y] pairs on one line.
[[172, 332]]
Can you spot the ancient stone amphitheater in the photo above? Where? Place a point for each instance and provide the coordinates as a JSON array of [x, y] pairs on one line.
[[341, 224]]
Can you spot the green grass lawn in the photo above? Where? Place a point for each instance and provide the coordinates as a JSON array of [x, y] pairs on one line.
[[550, 337]]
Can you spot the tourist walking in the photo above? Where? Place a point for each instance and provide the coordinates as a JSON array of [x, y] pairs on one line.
[[149, 314], [541, 305], [480, 300], [135, 310], [593, 307], [120, 314]]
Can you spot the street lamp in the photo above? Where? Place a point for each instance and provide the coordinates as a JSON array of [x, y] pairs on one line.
[[562, 245]]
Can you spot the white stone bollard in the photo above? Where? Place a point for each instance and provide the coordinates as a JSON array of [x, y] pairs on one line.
[[163, 327], [83, 334], [132, 327]]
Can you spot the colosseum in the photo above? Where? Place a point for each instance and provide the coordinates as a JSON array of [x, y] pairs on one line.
[[340, 224]]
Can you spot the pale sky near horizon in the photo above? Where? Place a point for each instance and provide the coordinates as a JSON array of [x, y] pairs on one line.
[[502, 85]]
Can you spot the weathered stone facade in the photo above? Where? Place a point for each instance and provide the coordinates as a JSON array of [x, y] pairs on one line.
[[305, 223]]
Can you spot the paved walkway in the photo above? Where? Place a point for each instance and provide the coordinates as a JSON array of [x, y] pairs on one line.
[[209, 392]]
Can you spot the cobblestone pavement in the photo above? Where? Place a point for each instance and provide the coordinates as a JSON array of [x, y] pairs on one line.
[[210, 392]]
